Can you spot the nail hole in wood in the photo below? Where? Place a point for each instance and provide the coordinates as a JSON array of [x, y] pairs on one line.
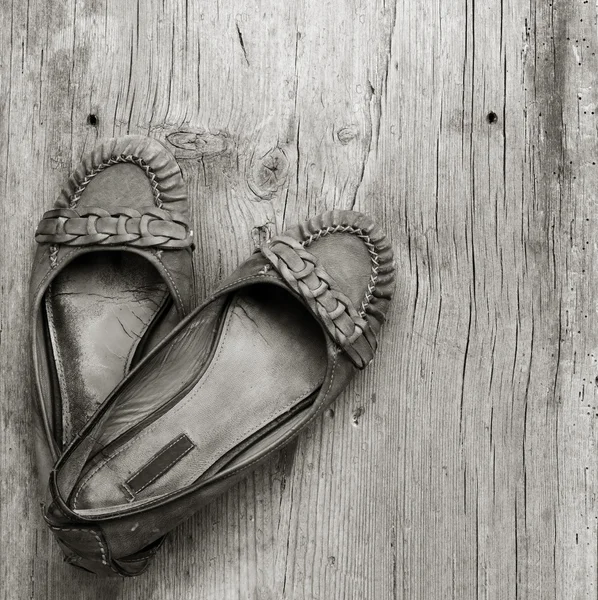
[[92, 120], [492, 117], [356, 414]]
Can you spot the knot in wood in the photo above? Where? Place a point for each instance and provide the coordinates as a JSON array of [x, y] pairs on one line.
[[199, 144], [346, 134], [268, 173]]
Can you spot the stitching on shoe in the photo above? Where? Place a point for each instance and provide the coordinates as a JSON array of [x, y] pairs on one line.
[[103, 551], [128, 492], [122, 158], [53, 256], [374, 256]]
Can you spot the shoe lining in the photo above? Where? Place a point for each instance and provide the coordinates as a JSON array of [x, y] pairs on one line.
[[101, 309], [269, 361]]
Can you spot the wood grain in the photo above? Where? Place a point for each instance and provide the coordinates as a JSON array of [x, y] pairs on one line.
[[462, 463]]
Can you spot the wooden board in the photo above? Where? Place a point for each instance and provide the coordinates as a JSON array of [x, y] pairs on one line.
[[462, 463]]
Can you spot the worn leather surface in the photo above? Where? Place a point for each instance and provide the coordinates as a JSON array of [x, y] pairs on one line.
[[267, 338], [97, 309], [239, 377]]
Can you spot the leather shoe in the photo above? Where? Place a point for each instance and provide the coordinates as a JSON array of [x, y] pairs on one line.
[[235, 381]]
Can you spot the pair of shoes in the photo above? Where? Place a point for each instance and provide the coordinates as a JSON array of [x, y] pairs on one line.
[[144, 417]]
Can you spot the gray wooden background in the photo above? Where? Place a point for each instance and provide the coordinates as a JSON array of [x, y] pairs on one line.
[[462, 463]]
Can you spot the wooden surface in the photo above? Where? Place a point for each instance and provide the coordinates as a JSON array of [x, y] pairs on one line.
[[462, 463]]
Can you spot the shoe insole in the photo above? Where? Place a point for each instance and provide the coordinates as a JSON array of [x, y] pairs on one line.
[[268, 361], [101, 310]]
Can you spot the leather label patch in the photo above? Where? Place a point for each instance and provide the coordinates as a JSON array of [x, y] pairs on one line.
[[160, 463]]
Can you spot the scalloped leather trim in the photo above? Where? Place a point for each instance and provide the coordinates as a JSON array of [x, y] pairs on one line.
[[149, 154]]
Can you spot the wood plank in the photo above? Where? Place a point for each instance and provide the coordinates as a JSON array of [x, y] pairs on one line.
[[462, 463]]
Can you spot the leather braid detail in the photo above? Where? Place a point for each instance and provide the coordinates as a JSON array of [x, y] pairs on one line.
[[303, 272], [123, 158], [147, 227]]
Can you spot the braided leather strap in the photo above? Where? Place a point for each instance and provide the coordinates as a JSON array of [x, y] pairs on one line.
[[147, 227], [303, 272]]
